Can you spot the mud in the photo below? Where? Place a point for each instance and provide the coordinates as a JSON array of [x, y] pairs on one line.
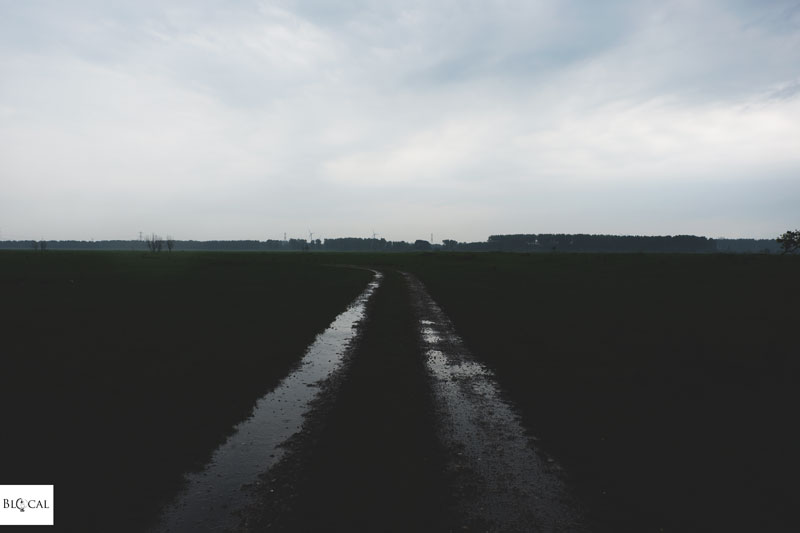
[[502, 481], [369, 459], [407, 431], [213, 498]]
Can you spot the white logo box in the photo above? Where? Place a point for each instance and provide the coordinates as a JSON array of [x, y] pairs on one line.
[[26, 505]]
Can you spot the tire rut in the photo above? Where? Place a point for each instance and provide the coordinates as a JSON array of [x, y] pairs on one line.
[[369, 459], [502, 481], [212, 498], [413, 435]]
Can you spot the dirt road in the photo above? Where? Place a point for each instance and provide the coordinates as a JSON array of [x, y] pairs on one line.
[[503, 481], [412, 434]]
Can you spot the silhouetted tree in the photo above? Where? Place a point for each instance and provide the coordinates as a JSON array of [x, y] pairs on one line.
[[154, 243], [790, 241], [170, 243]]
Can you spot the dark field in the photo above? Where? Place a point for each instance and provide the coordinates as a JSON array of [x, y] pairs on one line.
[[121, 370], [667, 385]]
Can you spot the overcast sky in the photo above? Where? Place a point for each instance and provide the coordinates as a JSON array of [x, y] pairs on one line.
[[246, 119]]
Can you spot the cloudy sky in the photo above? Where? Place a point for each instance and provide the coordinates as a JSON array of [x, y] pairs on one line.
[[247, 119]]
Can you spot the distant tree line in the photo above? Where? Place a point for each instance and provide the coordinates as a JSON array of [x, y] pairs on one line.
[[599, 243], [529, 243], [355, 244], [748, 246]]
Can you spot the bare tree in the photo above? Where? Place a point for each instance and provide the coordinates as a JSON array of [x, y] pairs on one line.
[[42, 245], [154, 243], [170, 242]]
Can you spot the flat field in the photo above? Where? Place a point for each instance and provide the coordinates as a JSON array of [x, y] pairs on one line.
[[666, 385], [121, 370]]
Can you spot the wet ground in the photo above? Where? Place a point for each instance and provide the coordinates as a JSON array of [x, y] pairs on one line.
[[213, 498], [401, 430], [504, 483]]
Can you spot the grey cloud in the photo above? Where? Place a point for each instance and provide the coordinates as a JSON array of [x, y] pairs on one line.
[[787, 92], [477, 117]]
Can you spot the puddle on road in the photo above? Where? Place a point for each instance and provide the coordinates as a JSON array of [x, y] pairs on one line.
[[211, 498], [507, 485]]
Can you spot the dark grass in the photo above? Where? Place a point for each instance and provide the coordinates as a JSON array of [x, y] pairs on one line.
[[119, 371], [668, 385]]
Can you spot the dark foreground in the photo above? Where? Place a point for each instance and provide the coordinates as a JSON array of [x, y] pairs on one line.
[[667, 386], [121, 371], [371, 462]]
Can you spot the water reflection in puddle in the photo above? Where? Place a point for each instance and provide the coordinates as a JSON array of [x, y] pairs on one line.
[[212, 497], [510, 486]]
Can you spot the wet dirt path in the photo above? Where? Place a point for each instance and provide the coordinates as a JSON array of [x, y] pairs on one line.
[[213, 497], [370, 459], [408, 433], [502, 481]]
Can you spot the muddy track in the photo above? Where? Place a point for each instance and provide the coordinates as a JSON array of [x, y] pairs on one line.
[[212, 499], [411, 434], [370, 460], [502, 481]]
